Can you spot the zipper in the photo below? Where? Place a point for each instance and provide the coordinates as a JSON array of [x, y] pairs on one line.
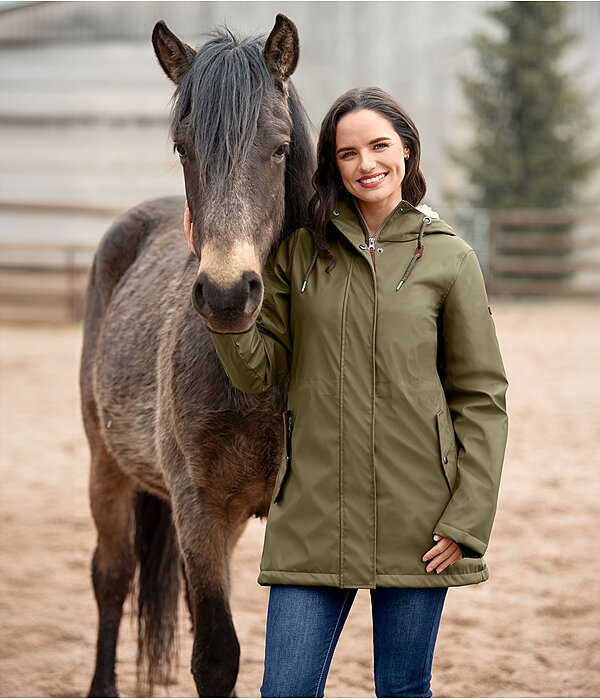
[[371, 239]]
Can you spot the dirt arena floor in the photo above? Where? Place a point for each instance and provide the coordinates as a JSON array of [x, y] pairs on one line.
[[531, 630]]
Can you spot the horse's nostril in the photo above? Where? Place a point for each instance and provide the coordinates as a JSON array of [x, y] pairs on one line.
[[198, 298], [227, 307], [254, 284], [255, 288]]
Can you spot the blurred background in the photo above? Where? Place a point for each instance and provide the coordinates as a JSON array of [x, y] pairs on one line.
[[506, 96]]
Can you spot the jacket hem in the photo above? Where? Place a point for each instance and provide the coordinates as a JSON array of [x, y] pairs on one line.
[[301, 578], [309, 578]]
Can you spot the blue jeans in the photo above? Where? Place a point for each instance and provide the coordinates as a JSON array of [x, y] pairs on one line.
[[304, 624]]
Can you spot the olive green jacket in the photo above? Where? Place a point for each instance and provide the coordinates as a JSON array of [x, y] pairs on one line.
[[395, 427]]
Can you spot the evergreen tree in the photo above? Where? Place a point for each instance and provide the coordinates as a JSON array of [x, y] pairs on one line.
[[530, 123]]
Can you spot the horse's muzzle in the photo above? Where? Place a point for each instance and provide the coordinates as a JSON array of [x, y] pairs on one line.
[[228, 310]]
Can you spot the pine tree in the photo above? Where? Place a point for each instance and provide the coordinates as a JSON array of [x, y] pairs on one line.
[[529, 121]]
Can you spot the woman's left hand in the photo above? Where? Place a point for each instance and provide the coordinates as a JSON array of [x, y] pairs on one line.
[[444, 553]]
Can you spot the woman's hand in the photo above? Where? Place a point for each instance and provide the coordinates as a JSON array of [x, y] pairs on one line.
[[188, 226], [444, 553]]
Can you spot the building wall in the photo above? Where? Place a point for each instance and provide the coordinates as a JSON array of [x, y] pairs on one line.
[[84, 104]]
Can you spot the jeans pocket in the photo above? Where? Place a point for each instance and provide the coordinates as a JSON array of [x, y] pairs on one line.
[[286, 458]]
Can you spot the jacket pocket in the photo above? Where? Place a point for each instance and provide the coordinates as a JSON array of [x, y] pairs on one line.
[[447, 450], [286, 457]]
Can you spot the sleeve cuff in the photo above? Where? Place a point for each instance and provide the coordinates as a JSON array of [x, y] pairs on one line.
[[467, 552], [470, 546]]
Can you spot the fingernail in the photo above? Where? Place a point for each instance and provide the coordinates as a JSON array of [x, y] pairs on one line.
[[436, 537], [428, 570]]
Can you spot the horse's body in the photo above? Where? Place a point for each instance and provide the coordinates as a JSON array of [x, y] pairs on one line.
[[180, 458]]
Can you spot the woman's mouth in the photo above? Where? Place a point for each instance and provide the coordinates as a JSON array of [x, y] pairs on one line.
[[372, 180]]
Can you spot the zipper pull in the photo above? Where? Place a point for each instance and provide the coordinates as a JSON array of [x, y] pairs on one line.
[[372, 243], [290, 426]]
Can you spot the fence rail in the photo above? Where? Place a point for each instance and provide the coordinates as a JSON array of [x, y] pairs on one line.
[[531, 253], [43, 281], [544, 252]]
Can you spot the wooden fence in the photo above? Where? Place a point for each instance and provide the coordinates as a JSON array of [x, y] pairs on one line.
[[43, 281], [535, 252], [531, 253]]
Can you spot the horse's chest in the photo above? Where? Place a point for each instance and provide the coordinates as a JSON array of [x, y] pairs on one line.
[[236, 459]]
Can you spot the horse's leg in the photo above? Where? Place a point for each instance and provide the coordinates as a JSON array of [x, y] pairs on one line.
[[206, 540], [112, 496]]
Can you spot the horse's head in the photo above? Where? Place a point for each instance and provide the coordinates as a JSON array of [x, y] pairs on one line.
[[241, 136]]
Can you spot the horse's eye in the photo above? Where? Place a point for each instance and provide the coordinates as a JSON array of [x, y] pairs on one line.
[[282, 151], [180, 149]]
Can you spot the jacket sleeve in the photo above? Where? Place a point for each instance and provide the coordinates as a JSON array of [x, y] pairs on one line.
[[474, 381], [261, 357]]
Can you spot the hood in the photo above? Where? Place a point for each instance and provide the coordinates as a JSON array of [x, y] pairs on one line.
[[405, 223]]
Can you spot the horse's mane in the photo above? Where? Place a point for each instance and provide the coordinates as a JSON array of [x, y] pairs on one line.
[[225, 121], [300, 166]]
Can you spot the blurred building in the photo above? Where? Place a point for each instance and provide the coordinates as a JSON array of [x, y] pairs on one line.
[[84, 104]]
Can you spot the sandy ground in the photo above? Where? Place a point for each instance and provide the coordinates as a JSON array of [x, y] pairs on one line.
[[531, 630]]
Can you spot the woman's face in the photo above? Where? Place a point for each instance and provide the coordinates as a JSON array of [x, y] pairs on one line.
[[370, 156]]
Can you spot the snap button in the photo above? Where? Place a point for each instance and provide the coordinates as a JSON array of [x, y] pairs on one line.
[[446, 459], [363, 246], [380, 250], [336, 212]]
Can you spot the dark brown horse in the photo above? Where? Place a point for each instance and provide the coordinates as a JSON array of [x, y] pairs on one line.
[[181, 459]]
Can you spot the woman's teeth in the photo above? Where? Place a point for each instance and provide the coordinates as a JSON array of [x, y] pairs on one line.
[[368, 180]]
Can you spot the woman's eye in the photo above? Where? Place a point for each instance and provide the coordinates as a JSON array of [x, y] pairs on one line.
[[180, 149], [282, 151], [382, 145], [348, 154]]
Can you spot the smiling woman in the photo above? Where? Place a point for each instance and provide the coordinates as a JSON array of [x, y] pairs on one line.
[[370, 156], [395, 425]]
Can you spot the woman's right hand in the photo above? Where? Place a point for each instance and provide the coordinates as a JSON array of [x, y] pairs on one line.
[[188, 226]]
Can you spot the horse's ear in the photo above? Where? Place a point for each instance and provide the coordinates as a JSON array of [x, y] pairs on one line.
[[282, 49], [174, 56]]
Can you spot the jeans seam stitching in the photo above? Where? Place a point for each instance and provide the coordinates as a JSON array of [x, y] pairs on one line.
[[331, 642]]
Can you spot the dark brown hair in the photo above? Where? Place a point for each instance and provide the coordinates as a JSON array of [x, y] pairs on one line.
[[327, 180]]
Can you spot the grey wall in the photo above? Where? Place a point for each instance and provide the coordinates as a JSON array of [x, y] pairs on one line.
[[84, 104]]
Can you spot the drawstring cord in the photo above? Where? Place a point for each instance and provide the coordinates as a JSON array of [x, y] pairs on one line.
[[418, 252], [312, 264], [417, 255]]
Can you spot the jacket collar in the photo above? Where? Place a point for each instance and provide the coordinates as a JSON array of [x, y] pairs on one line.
[[402, 225], [406, 223]]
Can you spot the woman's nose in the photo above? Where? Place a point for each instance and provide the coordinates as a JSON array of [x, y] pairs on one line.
[[367, 162]]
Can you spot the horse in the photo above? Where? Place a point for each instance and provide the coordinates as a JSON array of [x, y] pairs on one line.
[[180, 459]]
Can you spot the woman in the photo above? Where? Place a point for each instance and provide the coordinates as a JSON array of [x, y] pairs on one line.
[[395, 427]]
